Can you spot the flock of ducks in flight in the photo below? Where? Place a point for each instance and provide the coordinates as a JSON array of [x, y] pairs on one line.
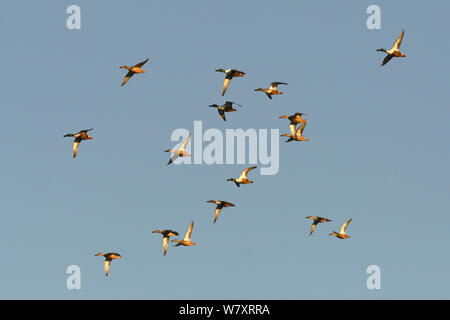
[[296, 134]]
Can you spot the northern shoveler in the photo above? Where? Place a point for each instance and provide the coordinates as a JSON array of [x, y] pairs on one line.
[[82, 135], [243, 178], [229, 74], [220, 204], [166, 235], [187, 238], [395, 51], [296, 134], [227, 107], [181, 152], [342, 234], [132, 70], [295, 118], [316, 220], [273, 89], [108, 258]]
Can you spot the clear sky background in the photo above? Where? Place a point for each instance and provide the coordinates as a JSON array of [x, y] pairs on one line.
[[379, 150]]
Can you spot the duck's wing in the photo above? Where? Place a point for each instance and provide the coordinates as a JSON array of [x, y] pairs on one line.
[[227, 204], [274, 85], [344, 226], [107, 264], [222, 114], [300, 129], [86, 130], [387, 59], [245, 172], [76, 143], [229, 104], [226, 83], [173, 158], [314, 224], [217, 212], [127, 77], [398, 42], [293, 128], [185, 142], [165, 241], [140, 64], [269, 95], [236, 73], [187, 236]]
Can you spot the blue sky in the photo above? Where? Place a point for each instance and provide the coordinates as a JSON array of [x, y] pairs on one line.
[[378, 151]]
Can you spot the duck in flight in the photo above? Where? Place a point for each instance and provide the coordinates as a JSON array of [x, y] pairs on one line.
[[395, 51], [82, 135], [227, 107], [220, 204], [181, 152], [342, 234], [108, 258], [273, 89], [166, 235], [133, 70], [229, 74], [295, 118], [296, 134], [243, 177], [316, 220], [187, 238]]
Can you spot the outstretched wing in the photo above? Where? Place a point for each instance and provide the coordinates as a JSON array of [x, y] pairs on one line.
[[216, 213], [229, 104], [107, 264], [165, 241], [76, 143], [222, 114], [173, 158], [140, 64], [398, 42], [245, 171], [187, 236], [185, 142], [127, 77], [387, 59], [344, 226], [226, 83], [313, 226], [274, 85], [300, 129], [293, 128]]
